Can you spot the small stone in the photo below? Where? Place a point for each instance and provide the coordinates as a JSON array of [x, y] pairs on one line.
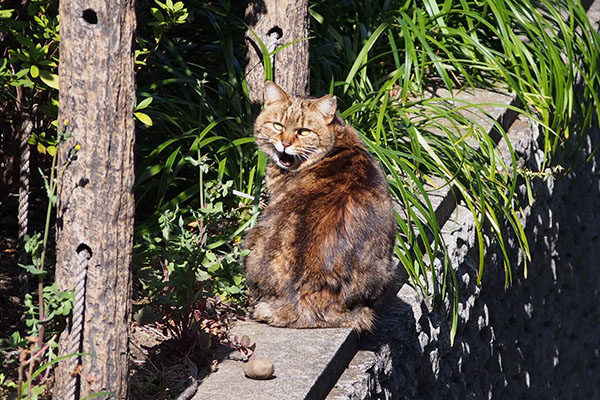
[[245, 341], [260, 368]]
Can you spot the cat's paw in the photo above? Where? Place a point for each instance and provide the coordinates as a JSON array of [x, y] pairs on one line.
[[262, 312]]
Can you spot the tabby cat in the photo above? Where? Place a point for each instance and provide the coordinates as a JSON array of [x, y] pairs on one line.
[[321, 252]]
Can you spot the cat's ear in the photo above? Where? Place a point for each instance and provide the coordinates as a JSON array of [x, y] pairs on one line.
[[327, 106], [274, 94]]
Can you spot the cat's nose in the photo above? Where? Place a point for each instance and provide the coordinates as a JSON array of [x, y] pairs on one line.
[[285, 143]]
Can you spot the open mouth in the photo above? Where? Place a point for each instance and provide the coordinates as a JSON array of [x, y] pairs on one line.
[[285, 160]]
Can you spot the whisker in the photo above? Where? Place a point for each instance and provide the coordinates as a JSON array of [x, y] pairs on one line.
[[310, 150]]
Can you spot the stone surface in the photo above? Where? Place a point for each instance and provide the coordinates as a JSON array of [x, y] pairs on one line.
[[483, 107], [307, 363]]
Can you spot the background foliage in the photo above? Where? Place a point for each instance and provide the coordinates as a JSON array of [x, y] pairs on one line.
[[199, 177]]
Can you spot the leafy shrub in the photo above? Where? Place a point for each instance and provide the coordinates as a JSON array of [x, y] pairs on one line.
[[196, 164], [28, 66], [190, 273]]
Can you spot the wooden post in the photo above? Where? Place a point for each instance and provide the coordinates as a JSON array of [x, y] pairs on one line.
[[277, 22], [96, 204]]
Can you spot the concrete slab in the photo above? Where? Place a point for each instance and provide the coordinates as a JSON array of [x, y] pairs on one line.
[[483, 107], [308, 362]]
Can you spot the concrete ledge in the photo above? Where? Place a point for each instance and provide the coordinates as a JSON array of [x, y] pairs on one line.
[[491, 109], [307, 362]]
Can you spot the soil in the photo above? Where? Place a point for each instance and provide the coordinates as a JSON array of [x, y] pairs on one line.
[[160, 369]]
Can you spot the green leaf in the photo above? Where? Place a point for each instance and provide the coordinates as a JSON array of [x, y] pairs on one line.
[[210, 209], [202, 275], [144, 103], [32, 269], [49, 78], [43, 367], [214, 267], [156, 13], [143, 118], [6, 13], [238, 279], [34, 71], [234, 290], [362, 57]]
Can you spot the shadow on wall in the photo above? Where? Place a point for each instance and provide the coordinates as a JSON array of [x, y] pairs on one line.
[[543, 331], [538, 339]]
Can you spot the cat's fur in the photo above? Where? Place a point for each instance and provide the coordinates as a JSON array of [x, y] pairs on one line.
[[321, 253]]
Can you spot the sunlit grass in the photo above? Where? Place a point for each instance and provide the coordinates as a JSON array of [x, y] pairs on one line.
[[381, 64]]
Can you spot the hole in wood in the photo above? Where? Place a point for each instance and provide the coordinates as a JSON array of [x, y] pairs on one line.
[[83, 182], [275, 31], [90, 16], [84, 247]]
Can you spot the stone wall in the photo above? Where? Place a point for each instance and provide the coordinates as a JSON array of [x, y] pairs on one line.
[[537, 339]]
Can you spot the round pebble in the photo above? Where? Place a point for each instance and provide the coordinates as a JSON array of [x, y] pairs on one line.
[[260, 368]]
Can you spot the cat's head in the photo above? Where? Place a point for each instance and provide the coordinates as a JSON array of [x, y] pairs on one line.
[[295, 132]]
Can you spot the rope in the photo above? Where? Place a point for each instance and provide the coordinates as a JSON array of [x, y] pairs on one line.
[[76, 334], [191, 390], [272, 43], [23, 215]]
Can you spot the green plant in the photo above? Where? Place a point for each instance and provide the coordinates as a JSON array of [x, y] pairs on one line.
[[191, 272], [29, 63], [56, 304], [194, 184], [45, 315], [29, 80], [34, 246], [380, 59], [28, 390]]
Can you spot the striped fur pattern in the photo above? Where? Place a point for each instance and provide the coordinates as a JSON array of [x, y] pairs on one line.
[[321, 252]]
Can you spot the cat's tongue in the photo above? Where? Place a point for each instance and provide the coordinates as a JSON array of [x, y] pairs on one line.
[[285, 159]]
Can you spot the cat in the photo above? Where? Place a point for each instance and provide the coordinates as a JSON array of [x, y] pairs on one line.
[[321, 252]]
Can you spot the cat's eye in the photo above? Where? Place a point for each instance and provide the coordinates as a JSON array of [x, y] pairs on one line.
[[277, 127], [304, 132]]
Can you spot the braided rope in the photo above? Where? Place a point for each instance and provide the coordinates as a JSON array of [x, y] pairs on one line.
[[76, 334], [23, 215], [191, 390], [272, 44]]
